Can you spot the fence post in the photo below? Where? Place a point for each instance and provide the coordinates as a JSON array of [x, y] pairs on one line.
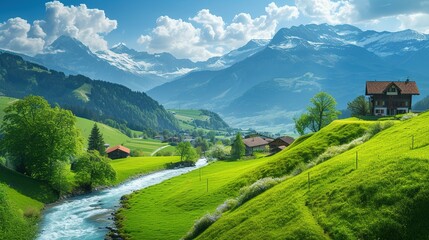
[[308, 181], [357, 157]]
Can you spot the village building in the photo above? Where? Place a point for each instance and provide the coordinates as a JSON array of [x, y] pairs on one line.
[[118, 151], [390, 97], [280, 143], [255, 144]]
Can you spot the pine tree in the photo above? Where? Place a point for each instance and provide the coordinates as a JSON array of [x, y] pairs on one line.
[[95, 141], [238, 148]]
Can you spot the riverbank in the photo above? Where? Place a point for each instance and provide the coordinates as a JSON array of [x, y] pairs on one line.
[[89, 215]]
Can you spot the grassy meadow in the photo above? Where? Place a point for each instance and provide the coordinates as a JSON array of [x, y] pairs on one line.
[[168, 210], [384, 196], [134, 166]]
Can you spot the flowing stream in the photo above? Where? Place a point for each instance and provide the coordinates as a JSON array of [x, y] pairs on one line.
[[87, 216]]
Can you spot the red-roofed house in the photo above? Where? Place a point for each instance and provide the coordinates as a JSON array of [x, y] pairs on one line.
[[255, 144], [391, 97], [118, 151]]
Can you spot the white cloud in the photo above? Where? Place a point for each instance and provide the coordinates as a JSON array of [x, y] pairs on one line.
[[328, 11], [417, 21], [14, 36], [207, 35], [80, 22]]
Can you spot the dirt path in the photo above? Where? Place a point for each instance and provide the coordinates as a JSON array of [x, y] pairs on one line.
[[159, 149]]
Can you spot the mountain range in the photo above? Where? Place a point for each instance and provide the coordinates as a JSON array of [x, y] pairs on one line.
[[270, 87], [263, 84]]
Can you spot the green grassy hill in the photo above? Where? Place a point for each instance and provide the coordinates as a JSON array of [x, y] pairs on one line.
[[22, 200], [202, 119], [148, 213], [386, 197]]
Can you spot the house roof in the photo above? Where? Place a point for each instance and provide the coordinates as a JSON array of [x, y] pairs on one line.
[[287, 139], [380, 87], [118, 147], [254, 142]]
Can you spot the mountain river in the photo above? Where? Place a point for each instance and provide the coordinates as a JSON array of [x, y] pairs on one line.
[[87, 216]]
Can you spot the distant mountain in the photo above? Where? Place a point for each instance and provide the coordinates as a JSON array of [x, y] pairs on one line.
[[139, 71], [97, 100], [272, 85], [73, 57]]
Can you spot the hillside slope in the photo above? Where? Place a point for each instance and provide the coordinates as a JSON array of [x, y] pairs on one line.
[[95, 100], [386, 197], [148, 213]]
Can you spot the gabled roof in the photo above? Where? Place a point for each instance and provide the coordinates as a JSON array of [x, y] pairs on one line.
[[287, 139], [254, 142], [118, 147], [380, 87]]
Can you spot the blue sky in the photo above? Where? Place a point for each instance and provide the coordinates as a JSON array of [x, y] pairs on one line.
[[195, 29]]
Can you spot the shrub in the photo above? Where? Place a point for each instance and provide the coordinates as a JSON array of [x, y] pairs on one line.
[[31, 212], [255, 189], [201, 225], [408, 116], [137, 153]]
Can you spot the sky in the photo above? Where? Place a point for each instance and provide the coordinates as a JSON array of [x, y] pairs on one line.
[[193, 29]]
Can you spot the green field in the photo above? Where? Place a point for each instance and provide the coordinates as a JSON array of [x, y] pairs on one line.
[[150, 211], [188, 115], [134, 166]]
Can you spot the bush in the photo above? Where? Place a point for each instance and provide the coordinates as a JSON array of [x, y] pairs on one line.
[[137, 153], [255, 189], [164, 153], [201, 225], [32, 212]]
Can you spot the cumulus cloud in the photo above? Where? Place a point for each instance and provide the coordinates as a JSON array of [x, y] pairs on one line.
[[334, 12], [18, 35], [206, 35], [80, 22]]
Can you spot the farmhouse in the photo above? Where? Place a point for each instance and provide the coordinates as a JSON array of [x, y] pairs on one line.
[[255, 144], [390, 97], [118, 151], [280, 143]]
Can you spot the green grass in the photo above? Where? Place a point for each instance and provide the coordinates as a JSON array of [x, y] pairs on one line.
[[133, 166], [188, 115], [22, 200], [149, 212], [386, 197]]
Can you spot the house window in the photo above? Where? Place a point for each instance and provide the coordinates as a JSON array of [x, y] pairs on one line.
[[391, 89], [406, 104], [382, 103], [376, 103]]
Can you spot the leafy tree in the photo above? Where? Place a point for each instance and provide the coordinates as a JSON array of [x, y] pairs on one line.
[[186, 151], [217, 151], [359, 106], [37, 136], [93, 170], [95, 141], [319, 114], [202, 143], [238, 149]]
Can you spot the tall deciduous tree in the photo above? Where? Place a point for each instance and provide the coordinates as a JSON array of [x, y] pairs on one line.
[[186, 151], [320, 113], [37, 136], [238, 149], [95, 141], [359, 106]]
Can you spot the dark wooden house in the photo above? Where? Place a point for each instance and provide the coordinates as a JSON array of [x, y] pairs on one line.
[[255, 144], [390, 97], [118, 151], [280, 143]]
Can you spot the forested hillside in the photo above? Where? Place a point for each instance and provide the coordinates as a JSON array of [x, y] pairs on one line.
[[97, 100]]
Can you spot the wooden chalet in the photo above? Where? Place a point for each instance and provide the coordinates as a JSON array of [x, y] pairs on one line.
[[280, 143], [118, 151], [390, 97], [255, 144]]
